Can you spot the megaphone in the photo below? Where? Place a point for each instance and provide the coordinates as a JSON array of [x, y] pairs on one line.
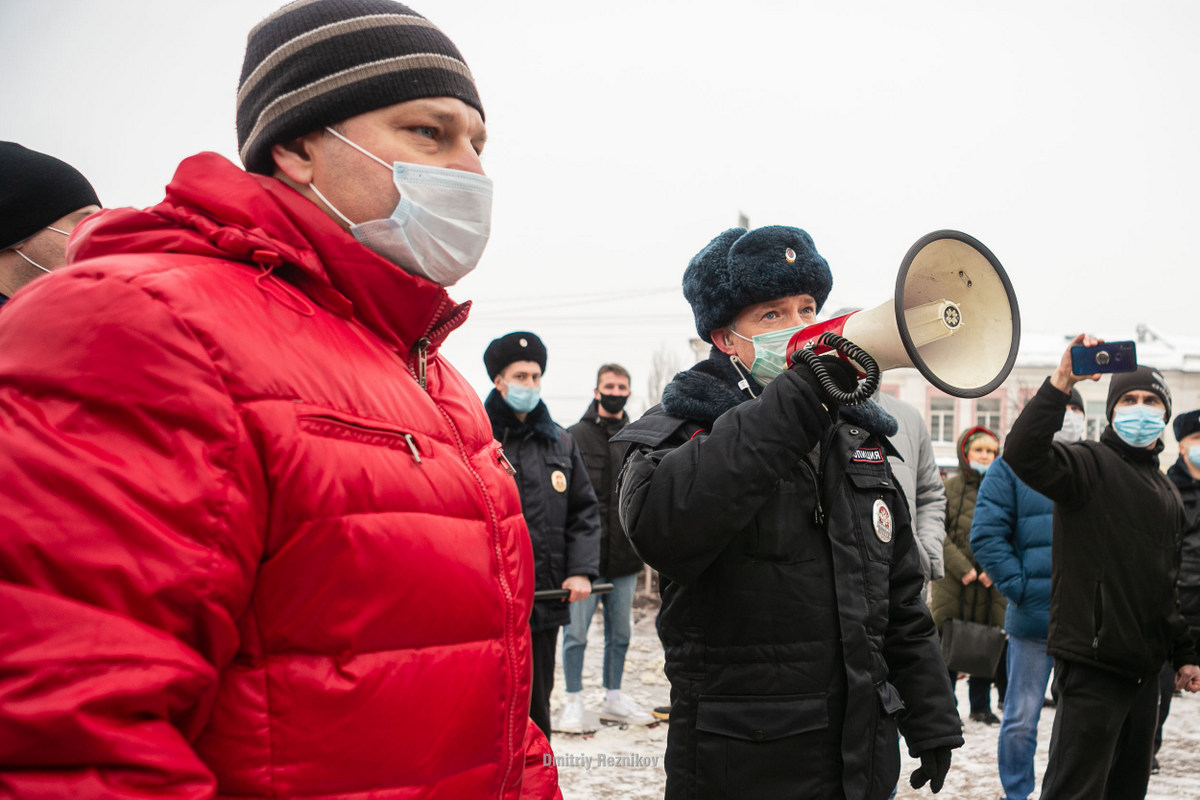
[[954, 317]]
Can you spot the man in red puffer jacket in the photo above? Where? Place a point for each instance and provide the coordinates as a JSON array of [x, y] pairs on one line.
[[257, 538]]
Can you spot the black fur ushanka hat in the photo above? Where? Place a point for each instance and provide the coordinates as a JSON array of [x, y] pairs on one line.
[[740, 268]]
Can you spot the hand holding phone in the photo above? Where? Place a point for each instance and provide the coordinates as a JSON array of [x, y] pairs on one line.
[[1103, 358]]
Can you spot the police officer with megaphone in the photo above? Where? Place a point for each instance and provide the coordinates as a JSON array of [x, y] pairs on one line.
[[797, 643]]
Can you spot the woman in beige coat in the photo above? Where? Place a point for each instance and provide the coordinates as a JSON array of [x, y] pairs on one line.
[[967, 591]]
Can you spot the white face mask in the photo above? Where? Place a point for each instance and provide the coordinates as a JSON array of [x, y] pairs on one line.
[[1073, 428], [440, 226]]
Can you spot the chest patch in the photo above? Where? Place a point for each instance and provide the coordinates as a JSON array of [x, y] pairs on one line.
[[868, 455], [558, 481], [881, 518]]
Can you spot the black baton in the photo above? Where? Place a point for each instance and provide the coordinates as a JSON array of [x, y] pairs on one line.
[[562, 594]]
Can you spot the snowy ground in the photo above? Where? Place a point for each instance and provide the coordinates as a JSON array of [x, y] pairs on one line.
[[627, 764]]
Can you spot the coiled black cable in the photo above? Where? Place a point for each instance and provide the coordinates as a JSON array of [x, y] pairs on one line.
[[866, 387]]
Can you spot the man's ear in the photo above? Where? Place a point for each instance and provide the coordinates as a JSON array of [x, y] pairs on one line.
[[498, 382], [720, 338], [293, 159]]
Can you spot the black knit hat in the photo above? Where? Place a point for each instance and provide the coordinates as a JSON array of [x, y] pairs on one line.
[[318, 62], [740, 268], [515, 346], [1076, 399], [1147, 379], [35, 191], [1186, 424]]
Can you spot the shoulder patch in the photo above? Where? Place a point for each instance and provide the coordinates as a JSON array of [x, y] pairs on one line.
[[868, 455]]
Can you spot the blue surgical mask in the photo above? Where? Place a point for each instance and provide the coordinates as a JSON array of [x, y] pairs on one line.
[[770, 353], [980, 468], [523, 399], [1194, 455], [440, 226], [1138, 425]]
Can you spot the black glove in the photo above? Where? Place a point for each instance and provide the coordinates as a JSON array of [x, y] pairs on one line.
[[844, 375], [934, 766]]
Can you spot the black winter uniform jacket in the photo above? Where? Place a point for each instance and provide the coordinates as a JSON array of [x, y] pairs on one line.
[[556, 499], [1189, 562], [603, 459], [1117, 527], [796, 638]]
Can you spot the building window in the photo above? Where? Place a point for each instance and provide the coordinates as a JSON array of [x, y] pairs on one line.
[[1095, 427], [987, 414], [941, 419]]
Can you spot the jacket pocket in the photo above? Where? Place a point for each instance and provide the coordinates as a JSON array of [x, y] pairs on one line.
[[329, 425], [747, 746], [889, 698], [757, 718], [783, 529]]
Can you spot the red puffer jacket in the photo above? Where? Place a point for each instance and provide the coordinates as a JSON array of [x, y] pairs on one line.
[[242, 550]]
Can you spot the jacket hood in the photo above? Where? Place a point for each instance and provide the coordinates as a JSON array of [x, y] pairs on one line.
[[963, 467], [216, 210]]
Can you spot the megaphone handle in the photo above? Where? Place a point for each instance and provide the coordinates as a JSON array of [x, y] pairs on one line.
[[853, 352]]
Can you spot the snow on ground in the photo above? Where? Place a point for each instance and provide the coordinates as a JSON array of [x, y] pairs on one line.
[[627, 764]]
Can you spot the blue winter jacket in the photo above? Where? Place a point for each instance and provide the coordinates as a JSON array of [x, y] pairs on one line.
[[1011, 534]]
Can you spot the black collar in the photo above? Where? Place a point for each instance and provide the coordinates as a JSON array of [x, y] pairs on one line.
[[505, 423]]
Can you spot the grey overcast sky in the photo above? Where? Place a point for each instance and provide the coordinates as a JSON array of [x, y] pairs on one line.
[[625, 135]]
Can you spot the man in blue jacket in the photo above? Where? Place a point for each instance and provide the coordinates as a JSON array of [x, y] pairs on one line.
[[1011, 534]]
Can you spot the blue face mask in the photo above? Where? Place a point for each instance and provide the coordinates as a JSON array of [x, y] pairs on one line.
[[980, 468], [770, 353], [1139, 425], [1194, 455], [522, 399]]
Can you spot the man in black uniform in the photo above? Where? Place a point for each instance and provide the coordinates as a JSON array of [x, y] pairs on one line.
[[556, 497], [1114, 610], [796, 638]]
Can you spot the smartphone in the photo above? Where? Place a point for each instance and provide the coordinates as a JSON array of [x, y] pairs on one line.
[[1107, 357]]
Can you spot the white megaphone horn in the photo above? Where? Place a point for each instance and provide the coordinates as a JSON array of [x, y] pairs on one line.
[[954, 317]]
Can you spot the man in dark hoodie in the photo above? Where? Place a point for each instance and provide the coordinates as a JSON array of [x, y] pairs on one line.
[[556, 497], [619, 564], [1114, 612], [796, 640]]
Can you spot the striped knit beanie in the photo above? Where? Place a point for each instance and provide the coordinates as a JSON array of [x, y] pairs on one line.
[[318, 62]]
